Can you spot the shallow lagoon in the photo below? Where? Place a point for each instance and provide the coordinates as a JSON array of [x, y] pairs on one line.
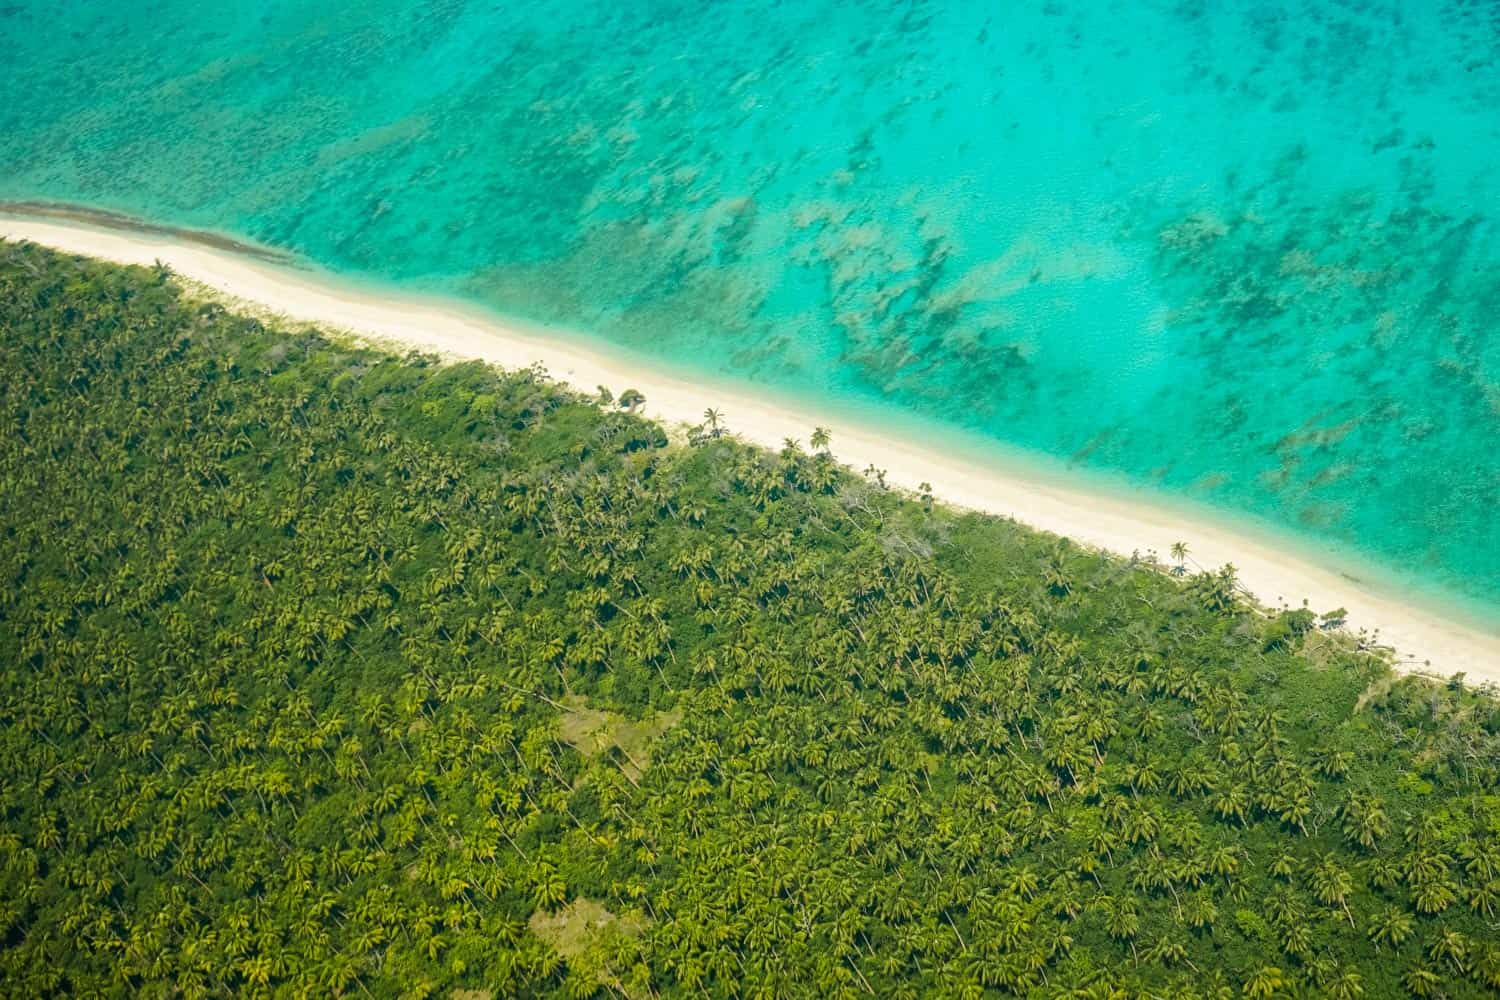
[[1245, 257]]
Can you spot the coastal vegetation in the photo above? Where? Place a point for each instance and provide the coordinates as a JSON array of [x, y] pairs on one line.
[[325, 671]]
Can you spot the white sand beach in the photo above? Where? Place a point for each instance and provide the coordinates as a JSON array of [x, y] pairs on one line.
[[1423, 639]]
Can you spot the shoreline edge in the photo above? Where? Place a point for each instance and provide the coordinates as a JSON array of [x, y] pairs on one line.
[[1423, 640]]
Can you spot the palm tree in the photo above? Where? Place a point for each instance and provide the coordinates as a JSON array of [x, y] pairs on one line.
[[1433, 894], [1267, 981], [1332, 884], [1485, 898], [820, 438], [1232, 803], [1347, 984], [1179, 553], [1487, 966], [1391, 927], [1200, 911], [1452, 947], [1364, 820], [1422, 981], [712, 417], [1121, 918]]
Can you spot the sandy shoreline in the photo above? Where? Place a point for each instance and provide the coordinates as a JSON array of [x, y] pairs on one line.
[[1423, 639]]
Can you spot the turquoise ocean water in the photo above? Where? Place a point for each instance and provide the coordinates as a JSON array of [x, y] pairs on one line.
[[1243, 253]]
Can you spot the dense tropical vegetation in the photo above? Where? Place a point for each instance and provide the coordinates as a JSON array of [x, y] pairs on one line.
[[331, 672]]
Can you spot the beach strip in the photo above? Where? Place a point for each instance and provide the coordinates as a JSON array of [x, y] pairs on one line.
[[1423, 639]]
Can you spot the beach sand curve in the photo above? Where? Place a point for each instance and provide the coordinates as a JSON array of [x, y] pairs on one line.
[[1423, 639]]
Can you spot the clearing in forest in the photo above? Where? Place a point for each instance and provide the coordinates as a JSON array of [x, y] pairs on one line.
[[594, 731]]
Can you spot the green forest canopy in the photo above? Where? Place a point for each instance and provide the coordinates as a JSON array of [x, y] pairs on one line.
[[332, 672]]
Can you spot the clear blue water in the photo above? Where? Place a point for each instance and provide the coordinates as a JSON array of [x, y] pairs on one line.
[[1245, 253]]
